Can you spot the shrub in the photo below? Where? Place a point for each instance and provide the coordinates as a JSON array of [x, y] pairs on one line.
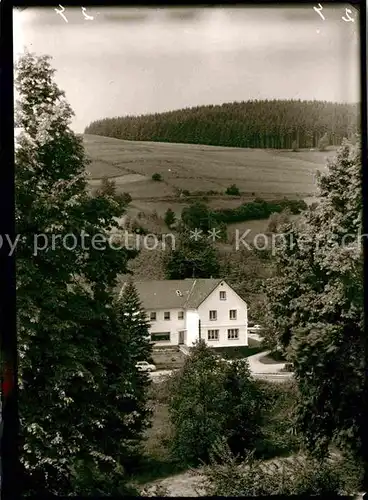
[[233, 190], [209, 399], [156, 177], [154, 215], [107, 187], [323, 143], [169, 217], [301, 475], [278, 421], [158, 490], [277, 220], [289, 367]]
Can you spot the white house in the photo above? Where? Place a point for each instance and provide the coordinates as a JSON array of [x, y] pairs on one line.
[[183, 311]]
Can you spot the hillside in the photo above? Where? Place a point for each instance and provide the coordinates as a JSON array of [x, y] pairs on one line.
[[252, 124], [268, 174]]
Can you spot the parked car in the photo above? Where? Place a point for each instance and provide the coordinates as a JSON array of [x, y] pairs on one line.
[[255, 327], [143, 366]]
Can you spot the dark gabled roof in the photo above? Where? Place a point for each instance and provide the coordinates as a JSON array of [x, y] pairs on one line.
[[175, 294]]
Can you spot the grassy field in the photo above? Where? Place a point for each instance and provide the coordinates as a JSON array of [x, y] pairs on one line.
[[269, 174]]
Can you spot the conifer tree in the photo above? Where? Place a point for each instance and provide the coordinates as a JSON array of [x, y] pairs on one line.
[[134, 323], [169, 217], [124, 383]]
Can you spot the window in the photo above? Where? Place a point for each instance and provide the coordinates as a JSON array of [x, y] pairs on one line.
[[213, 334], [232, 314], [222, 295], [181, 315], [213, 315], [233, 333], [153, 316], [160, 337], [167, 315]]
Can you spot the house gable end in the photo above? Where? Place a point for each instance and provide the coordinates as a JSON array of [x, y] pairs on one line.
[[217, 288]]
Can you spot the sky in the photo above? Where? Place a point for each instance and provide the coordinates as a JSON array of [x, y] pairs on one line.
[[129, 61]]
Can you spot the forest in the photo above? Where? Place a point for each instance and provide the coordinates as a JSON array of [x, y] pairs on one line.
[[279, 124]]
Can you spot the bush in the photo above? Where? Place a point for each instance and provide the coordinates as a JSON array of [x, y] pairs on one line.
[[323, 143], [233, 190], [210, 399], [156, 177], [258, 209], [289, 367], [225, 476], [279, 437], [158, 490], [277, 220]]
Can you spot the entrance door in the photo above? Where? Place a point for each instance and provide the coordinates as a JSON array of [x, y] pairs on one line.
[[181, 337]]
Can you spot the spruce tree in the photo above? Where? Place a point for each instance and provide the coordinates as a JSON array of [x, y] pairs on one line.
[[129, 417], [68, 331], [169, 217], [134, 323]]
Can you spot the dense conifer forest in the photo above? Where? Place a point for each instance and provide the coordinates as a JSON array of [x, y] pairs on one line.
[[280, 124]]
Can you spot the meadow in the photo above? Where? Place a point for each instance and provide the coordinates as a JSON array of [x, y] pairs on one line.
[[268, 174]]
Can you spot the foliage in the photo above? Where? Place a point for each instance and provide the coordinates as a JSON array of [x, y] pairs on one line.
[[277, 221], [211, 398], [233, 190], [246, 272], [170, 217], [191, 258], [107, 187], [156, 177], [279, 436], [135, 325], [258, 209], [268, 124], [156, 491], [70, 339], [323, 142], [136, 342], [197, 215], [224, 476], [315, 308], [148, 265]]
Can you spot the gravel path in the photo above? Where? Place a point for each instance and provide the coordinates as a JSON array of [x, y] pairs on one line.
[[180, 485], [256, 366]]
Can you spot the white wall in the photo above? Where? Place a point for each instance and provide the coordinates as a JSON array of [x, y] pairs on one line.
[[162, 325], [223, 322], [192, 323]]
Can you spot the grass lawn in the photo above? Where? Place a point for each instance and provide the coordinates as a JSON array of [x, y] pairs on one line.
[[239, 352]]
